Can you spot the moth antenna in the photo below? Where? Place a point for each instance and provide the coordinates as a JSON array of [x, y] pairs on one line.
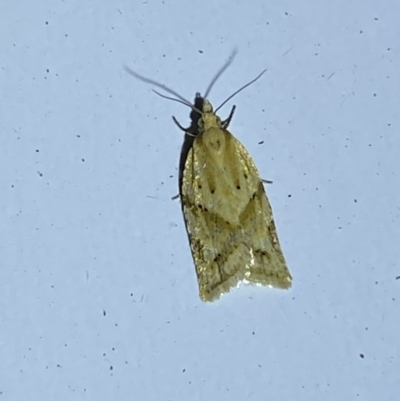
[[173, 99], [220, 72], [239, 90], [159, 85], [179, 101]]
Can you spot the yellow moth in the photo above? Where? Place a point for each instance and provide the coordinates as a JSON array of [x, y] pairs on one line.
[[228, 217]]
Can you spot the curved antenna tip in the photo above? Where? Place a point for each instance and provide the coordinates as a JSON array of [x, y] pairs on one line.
[[240, 89]]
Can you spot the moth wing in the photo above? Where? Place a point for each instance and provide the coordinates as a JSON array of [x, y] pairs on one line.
[[229, 221]]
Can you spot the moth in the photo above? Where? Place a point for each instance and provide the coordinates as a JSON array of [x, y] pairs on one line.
[[228, 217]]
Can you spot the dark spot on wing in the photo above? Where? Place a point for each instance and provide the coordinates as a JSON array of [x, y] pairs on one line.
[[218, 258], [262, 253]]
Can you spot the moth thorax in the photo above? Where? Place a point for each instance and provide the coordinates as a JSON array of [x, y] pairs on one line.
[[214, 140]]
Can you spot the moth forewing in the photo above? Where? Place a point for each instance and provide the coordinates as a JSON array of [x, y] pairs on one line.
[[228, 217]]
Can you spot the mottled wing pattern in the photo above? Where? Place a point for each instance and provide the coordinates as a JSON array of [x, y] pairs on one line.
[[228, 217]]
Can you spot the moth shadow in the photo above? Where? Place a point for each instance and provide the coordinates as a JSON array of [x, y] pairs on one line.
[[190, 136]]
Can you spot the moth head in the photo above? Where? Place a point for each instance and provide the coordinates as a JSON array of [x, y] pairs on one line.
[[207, 106], [208, 117]]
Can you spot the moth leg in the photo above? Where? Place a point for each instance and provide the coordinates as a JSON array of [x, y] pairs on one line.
[[266, 181], [185, 130], [226, 122]]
